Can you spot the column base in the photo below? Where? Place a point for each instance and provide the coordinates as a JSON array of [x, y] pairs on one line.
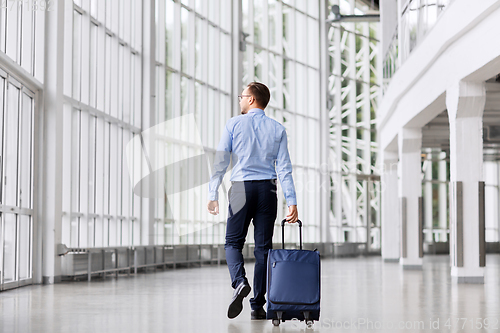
[[464, 275], [391, 259], [411, 263], [51, 279], [468, 279]]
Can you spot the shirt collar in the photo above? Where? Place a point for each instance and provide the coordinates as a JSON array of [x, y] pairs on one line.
[[257, 111]]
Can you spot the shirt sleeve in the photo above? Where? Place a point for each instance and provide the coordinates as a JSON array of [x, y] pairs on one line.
[[221, 162], [284, 171]]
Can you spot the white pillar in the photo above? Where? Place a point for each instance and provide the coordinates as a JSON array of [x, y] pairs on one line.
[[443, 197], [390, 207], [410, 193], [465, 103], [51, 203], [428, 198], [498, 203], [491, 199]]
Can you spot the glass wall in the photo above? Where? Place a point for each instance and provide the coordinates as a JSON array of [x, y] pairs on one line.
[[22, 35], [16, 180], [102, 111], [21, 72], [353, 87], [435, 195], [283, 52], [492, 197], [193, 66], [193, 77]]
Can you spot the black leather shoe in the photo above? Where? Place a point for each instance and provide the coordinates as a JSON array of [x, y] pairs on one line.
[[258, 314], [236, 305]]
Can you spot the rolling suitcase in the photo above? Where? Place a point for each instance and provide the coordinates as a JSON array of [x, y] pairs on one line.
[[293, 283]]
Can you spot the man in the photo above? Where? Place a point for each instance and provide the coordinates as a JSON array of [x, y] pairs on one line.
[[258, 145]]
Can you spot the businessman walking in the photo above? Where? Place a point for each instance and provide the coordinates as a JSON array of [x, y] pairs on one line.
[[259, 148]]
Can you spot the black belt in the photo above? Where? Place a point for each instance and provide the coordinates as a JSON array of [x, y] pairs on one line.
[[256, 181]]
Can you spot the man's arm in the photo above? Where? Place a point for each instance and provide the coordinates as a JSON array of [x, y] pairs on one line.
[[221, 162], [284, 170]]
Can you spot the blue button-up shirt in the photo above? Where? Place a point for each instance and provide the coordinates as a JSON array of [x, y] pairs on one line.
[[259, 147]]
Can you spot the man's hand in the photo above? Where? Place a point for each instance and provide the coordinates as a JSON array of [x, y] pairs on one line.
[[213, 207], [293, 214]]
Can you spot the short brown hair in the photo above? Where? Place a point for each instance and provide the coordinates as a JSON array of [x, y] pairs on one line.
[[260, 92]]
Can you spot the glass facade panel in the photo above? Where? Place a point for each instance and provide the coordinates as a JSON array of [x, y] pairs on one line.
[[113, 94], [353, 88]]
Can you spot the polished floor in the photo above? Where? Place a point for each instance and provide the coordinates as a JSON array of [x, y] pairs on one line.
[[358, 294]]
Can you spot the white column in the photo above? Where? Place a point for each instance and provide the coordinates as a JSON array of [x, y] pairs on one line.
[[428, 198], [465, 103], [51, 202], [390, 207], [443, 207], [498, 203], [410, 192], [491, 199]]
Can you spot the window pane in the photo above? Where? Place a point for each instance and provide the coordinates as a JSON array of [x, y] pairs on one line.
[[76, 54], [184, 40], [258, 18], [288, 85], [27, 39], [211, 116], [13, 34], [169, 33], [300, 37], [169, 95], [10, 146], [75, 161], [201, 7], [93, 64], [274, 25], [313, 42], [225, 14], [24, 246], [225, 58], [9, 250], [107, 104], [302, 5], [26, 152], [274, 80], [211, 54], [313, 96], [259, 58], [198, 47], [301, 87], [213, 8], [288, 32], [313, 8], [184, 96]]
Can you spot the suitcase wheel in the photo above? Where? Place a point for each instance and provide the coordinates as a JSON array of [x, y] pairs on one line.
[[309, 322], [276, 322]]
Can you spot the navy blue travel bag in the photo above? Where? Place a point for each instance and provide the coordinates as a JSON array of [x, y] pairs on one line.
[[293, 283]]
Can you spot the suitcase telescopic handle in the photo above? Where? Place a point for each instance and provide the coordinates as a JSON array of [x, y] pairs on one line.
[[283, 232]]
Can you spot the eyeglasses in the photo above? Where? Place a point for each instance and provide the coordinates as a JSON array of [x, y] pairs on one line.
[[241, 96]]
